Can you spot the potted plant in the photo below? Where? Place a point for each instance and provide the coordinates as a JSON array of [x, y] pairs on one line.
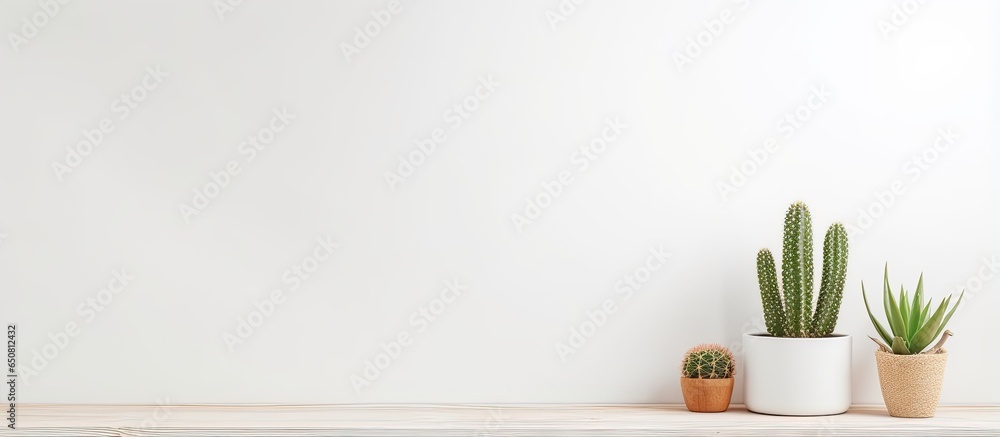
[[910, 373], [800, 367], [707, 378]]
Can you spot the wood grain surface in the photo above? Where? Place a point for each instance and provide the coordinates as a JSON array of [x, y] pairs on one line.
[[480, 420]]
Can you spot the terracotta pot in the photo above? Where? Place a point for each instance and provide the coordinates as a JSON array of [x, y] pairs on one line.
[[911, 384], [707, 395]]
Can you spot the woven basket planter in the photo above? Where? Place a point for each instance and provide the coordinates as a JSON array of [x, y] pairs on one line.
[[911, 384]]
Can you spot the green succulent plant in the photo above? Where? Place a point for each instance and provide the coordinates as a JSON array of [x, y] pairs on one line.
[[708, 361], [912, 327], [790, 313]]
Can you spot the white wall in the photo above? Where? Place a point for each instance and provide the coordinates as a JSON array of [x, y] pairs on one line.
[[162, 336]]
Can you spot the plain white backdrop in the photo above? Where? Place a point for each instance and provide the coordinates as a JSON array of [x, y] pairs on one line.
[[685, 127]]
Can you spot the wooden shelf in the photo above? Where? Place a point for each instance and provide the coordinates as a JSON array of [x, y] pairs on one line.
[[479, 420]]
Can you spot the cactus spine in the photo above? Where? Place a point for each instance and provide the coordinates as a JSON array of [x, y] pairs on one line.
[[790, 314], [708, 361]]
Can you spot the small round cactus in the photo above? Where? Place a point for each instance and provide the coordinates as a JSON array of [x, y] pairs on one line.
[[708, 361]]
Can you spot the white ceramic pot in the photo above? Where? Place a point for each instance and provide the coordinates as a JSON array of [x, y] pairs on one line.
[[797, 376]]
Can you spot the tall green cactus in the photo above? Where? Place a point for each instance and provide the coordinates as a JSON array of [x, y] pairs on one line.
[[797, 269], [774, 311], [831, 288], [790, 314]]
